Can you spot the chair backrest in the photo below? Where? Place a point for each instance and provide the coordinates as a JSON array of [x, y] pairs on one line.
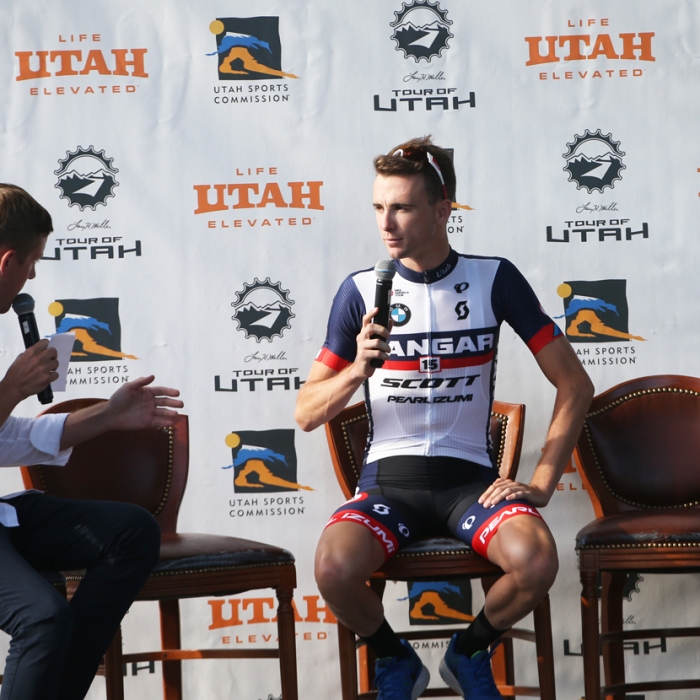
[[147, 467], [347, 437], [640, 445]]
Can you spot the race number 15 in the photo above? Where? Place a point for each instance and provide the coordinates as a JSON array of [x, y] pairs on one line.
[[429, 364]]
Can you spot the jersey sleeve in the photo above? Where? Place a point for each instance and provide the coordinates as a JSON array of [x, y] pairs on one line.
[[515, 302], [344, 323]]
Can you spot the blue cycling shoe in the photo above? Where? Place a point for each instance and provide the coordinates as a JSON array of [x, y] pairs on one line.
[[401, 678], [471, 678]]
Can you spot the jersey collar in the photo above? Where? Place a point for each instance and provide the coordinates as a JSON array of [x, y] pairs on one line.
[[429, 276]]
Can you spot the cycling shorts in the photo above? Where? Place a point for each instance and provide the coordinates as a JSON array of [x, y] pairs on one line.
[[403, 499]]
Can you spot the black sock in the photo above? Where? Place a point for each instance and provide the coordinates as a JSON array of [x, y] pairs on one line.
[[385, 642], [479, 636]]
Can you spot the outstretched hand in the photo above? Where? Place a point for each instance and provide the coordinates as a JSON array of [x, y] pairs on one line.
[[134, 406], [137, 405]]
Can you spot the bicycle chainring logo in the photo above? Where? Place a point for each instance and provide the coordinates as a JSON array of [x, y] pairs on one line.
[[421, 30], [86, 178], [594, 161], [263, 310]]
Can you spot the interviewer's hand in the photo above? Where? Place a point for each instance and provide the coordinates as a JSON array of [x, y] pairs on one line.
[[369, 348], [31, 372], [136, 405], [509, 490]]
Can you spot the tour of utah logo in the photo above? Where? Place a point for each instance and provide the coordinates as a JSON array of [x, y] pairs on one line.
[[421, 30], [248, 48], [594, 161], [596, 312], [440, 602], [263, 461], [86, 178], [263, 310], [96, 325]]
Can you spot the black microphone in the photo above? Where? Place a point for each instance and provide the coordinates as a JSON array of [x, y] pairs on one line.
[[385, 272], [23, 306]]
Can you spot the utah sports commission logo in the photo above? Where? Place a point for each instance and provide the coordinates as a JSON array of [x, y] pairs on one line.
[[263, 461], [263, 310], [596, 311], [248, 48], [594, 161], [440, 602], [86, 178], [96, 325], [421, 30]]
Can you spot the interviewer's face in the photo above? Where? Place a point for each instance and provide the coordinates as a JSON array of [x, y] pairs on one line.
[[15, 271]]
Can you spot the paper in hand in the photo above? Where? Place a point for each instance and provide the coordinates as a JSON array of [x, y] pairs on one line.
[[63, 342]]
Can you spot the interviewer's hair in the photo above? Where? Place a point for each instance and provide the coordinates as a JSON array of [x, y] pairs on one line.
[[23, 221], [414, 161]]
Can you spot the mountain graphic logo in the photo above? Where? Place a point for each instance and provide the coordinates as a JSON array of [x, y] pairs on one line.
[[248, 48], [594, 161], [596, 311], [96, 325], [86, 178], [421, 30], [263, 461], [263, 310], [440, 602]]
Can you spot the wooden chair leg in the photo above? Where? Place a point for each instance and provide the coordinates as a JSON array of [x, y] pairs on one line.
[[287, 644], [348, 662], [545, 649], [591, 634], [366, 659], [114, 669], [170, 639], [613, 585], [502, 663]]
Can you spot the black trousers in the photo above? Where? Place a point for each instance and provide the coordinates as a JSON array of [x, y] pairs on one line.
[[57, 646]]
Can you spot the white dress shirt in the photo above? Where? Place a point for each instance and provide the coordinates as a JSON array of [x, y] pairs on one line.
[[30, 441]]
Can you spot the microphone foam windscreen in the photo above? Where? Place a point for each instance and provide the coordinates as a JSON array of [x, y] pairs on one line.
[[23, 304], [385, 270]]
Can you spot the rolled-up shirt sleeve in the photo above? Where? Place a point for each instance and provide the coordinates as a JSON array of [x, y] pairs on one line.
[[25, 441]]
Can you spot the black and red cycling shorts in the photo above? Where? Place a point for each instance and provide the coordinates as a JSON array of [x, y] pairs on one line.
[[402, 499]]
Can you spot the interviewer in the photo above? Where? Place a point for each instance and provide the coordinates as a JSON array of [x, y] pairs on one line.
[[56, 645]]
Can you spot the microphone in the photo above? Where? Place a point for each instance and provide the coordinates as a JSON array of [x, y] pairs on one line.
[[385, 271], [23, 306]]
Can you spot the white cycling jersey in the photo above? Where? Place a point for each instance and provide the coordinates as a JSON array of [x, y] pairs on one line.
[[433, 396]]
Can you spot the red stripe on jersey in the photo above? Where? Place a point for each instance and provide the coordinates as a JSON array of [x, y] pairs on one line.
[[385, 537], [543, 337], [330, 359], [445, 363], [482, 537]]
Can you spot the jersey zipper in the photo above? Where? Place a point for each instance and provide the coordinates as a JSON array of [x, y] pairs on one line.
[[431, 320]]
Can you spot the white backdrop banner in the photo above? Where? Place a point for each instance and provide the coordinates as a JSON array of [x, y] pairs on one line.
[[208, 167]]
